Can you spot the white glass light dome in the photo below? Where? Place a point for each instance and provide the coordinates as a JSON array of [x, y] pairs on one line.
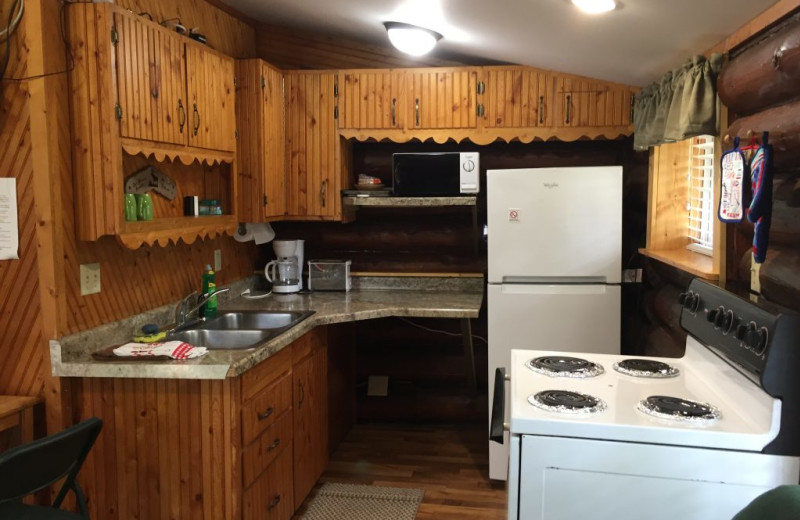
[[595, 6], [411, 39]]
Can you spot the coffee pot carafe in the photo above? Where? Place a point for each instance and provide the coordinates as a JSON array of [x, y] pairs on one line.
[[286, 273]]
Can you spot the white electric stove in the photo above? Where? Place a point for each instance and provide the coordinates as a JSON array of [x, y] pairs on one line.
[[620, 438]]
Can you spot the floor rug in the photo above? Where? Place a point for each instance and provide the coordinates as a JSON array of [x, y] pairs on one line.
[[337, 501]]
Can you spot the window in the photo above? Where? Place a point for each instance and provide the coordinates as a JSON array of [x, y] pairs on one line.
[[700, 199]]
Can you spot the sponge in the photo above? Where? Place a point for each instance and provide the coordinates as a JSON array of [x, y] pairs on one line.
[[150, 334]]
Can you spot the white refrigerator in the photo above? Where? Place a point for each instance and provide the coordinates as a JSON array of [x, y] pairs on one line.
[[554, 254]]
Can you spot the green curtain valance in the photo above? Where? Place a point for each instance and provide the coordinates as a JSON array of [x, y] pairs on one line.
[[683, 104]]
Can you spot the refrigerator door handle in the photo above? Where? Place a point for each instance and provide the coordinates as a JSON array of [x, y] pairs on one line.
[[556, 280], [497, 426], [554, 289]]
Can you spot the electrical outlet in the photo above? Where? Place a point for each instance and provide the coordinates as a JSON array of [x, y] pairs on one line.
[[631, 276], [218, 259], [90, 279]]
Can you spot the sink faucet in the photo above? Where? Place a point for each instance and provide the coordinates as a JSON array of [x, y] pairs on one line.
[[186, 308]]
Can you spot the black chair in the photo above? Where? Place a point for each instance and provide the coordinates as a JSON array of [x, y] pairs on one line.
[[36, 465]]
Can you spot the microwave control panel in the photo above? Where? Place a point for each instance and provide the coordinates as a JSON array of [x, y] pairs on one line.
[[470, 172]]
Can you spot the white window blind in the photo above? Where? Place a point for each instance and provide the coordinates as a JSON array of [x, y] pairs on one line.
[[700, 206]]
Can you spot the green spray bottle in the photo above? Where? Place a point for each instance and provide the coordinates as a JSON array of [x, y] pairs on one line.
[[209, 287]]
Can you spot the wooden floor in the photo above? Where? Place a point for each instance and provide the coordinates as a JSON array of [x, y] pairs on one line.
[[450, 463]]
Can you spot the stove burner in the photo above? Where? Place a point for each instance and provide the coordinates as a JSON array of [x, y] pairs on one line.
[[564, 401], [645, 368], [677, 409], [564, 366]]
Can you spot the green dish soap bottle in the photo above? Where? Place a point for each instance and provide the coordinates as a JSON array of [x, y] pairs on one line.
[[210, 287]]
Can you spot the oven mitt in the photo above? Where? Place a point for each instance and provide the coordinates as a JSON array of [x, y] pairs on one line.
[[733, 188], [760, 210]]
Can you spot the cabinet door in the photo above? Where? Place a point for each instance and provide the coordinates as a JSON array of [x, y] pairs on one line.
[[310, 409], [312, 147], [441, 98], [212, 114], [516, 98], [585, 103], [151, 81], [371, 99], [259, 109]]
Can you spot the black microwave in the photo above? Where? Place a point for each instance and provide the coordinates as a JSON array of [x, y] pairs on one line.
[[435, 174]]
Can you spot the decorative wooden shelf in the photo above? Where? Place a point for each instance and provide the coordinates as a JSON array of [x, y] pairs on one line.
[[185, 154], [165, 230], [689, 261], [408, 202]]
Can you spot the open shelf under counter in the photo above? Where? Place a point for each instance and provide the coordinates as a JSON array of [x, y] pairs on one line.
[[694, 263], [409, 202], [165, 230]]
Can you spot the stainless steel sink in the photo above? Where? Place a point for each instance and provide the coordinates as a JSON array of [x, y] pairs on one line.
[[255, 320], [239, 330], [222, 339]]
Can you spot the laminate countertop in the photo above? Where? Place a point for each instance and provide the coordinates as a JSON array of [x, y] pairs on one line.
[[378, 297]]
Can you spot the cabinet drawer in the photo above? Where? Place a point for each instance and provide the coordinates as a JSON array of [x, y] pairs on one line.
[[270, 496], [266, 448], [261, 412], [309, 342], [265, 373]]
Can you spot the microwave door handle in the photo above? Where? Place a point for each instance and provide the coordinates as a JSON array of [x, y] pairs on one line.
[[497, 426]]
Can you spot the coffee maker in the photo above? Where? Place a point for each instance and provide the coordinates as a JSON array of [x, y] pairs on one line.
[[286, 272]]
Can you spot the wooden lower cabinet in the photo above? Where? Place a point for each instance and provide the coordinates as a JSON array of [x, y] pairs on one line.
[[250, 447]]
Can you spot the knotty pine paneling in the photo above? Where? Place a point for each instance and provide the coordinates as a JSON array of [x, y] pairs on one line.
[[225, 33], [150, 461], [21, 339]]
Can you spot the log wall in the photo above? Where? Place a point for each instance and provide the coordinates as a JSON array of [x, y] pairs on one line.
[[760, 86]]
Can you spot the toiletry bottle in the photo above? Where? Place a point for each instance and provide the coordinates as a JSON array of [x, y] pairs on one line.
[[209, 287]]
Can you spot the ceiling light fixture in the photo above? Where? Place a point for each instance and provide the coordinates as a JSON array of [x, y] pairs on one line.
[[411, 39], [595, 6]]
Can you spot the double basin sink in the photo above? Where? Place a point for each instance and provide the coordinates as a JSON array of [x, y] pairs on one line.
[[238, 330]]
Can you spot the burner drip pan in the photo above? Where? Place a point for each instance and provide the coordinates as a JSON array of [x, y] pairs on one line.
[[645, 368], [677, 409], [564, 401], [564, 366]]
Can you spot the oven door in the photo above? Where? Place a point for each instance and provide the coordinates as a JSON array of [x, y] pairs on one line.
[[567, 478]]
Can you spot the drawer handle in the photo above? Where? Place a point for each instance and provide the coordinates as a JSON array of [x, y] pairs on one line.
[[394, 111], [274, 502], [263, 415], [541, 110], [416, 111], [275, 444]]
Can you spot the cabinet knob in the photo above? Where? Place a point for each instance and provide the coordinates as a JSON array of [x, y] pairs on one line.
[[266, 413], [196, 119], [274, 502], [275, 444], [181, 116]]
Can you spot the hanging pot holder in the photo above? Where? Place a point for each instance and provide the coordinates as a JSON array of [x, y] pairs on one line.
[[732, 185], [760, 210]]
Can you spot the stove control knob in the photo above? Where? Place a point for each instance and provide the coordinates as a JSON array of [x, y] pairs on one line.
[[712, 315], [725, 320], [741, 330], [689, 301]]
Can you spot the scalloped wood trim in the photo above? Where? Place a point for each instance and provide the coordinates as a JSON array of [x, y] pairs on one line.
[[168, 231], [185, 154], [483, 137]]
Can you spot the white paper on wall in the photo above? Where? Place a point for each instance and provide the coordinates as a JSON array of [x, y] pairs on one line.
[[9, 225]]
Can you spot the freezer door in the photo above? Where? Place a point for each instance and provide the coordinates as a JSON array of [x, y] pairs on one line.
[[570, 318], [555, 222]]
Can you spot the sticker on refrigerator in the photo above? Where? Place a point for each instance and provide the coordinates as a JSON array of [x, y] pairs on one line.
[[513, 215]]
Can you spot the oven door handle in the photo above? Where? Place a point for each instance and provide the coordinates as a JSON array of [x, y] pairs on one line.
[[496, 426]]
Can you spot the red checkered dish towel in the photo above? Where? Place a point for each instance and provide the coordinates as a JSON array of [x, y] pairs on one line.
[[173, 349]]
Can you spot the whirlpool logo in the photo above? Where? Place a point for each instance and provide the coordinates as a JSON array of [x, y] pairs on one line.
[[550, 185]]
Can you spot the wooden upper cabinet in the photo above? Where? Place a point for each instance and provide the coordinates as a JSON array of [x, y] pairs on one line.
[[260, 118], [371, 99], [313, 166], [151, 81], [441, 98], [516, 97], [212, 110], [582, 102]]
